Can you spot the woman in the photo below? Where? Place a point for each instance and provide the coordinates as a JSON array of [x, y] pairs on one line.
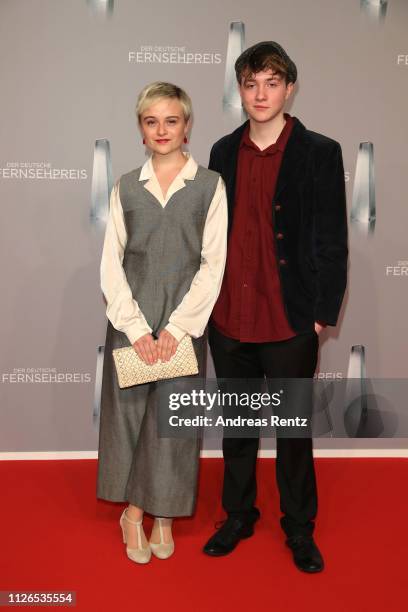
[[161, 271]]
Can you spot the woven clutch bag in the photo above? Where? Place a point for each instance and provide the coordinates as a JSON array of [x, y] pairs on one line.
[[132, 370]]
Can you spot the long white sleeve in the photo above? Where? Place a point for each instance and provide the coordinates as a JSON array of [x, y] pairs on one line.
[[192, 314], [122, 310]]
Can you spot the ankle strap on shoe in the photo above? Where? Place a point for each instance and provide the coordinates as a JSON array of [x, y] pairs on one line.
[[130, 520]]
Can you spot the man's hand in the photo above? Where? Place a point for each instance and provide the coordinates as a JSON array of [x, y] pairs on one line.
[[146, 348], [166, 345], [319, 327]]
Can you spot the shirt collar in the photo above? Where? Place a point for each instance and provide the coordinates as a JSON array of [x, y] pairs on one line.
[[279, 145], [188, 171]]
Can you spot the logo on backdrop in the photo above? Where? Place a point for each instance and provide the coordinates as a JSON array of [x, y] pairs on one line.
[[356, 391], [375, 9], [102, 182], [41, 171], [231, 100], [44, 375], [363, 208], [402, 60], [100, 353], [103, 8], [400, 268], [359, 407], [156, 54], [368, 414]]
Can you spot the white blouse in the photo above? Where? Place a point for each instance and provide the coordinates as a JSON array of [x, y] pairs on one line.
[[192, 314]]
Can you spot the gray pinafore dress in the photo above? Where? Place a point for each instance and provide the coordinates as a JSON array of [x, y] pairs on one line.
[[162, 255]]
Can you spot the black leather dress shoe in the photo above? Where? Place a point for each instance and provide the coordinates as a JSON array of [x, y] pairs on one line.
[[233, 530], [306, 555]]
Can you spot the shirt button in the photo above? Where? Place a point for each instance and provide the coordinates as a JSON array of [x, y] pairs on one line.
[[283, 262], [278, 207], [279, 236], [245, 285]]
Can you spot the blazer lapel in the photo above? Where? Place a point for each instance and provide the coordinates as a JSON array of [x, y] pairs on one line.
[[229, 169], [293, 159]]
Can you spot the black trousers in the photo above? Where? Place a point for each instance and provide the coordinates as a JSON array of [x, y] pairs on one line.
[[295, 474]]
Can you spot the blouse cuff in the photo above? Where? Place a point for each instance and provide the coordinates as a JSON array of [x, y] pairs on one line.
[[175, 331], [135, 332]]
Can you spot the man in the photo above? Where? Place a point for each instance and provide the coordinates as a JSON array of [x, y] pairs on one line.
[[284, 281]]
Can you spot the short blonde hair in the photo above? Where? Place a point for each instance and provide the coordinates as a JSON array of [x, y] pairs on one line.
[[159, 89]]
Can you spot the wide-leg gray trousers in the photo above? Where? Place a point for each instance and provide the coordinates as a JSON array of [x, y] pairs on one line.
[[134, 463]]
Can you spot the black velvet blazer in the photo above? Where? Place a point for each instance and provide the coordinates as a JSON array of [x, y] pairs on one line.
[[309, 211]]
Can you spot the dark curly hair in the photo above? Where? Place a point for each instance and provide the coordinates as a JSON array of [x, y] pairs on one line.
[[264, 56]]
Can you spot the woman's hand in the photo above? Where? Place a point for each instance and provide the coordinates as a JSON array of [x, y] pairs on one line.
[[166, 345], [146, 348]]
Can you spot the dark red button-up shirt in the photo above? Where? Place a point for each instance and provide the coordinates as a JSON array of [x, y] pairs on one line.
[[250, 305]]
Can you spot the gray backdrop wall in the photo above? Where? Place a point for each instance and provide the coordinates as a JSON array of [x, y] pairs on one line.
[[70, 74]]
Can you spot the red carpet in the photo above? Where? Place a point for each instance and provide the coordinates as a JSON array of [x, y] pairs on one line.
[[57, 536]]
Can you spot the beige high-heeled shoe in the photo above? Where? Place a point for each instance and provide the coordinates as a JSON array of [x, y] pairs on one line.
[[163, 550], [139, 554]]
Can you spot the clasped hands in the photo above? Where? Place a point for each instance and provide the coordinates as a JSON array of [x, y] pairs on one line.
[[151, 350]]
